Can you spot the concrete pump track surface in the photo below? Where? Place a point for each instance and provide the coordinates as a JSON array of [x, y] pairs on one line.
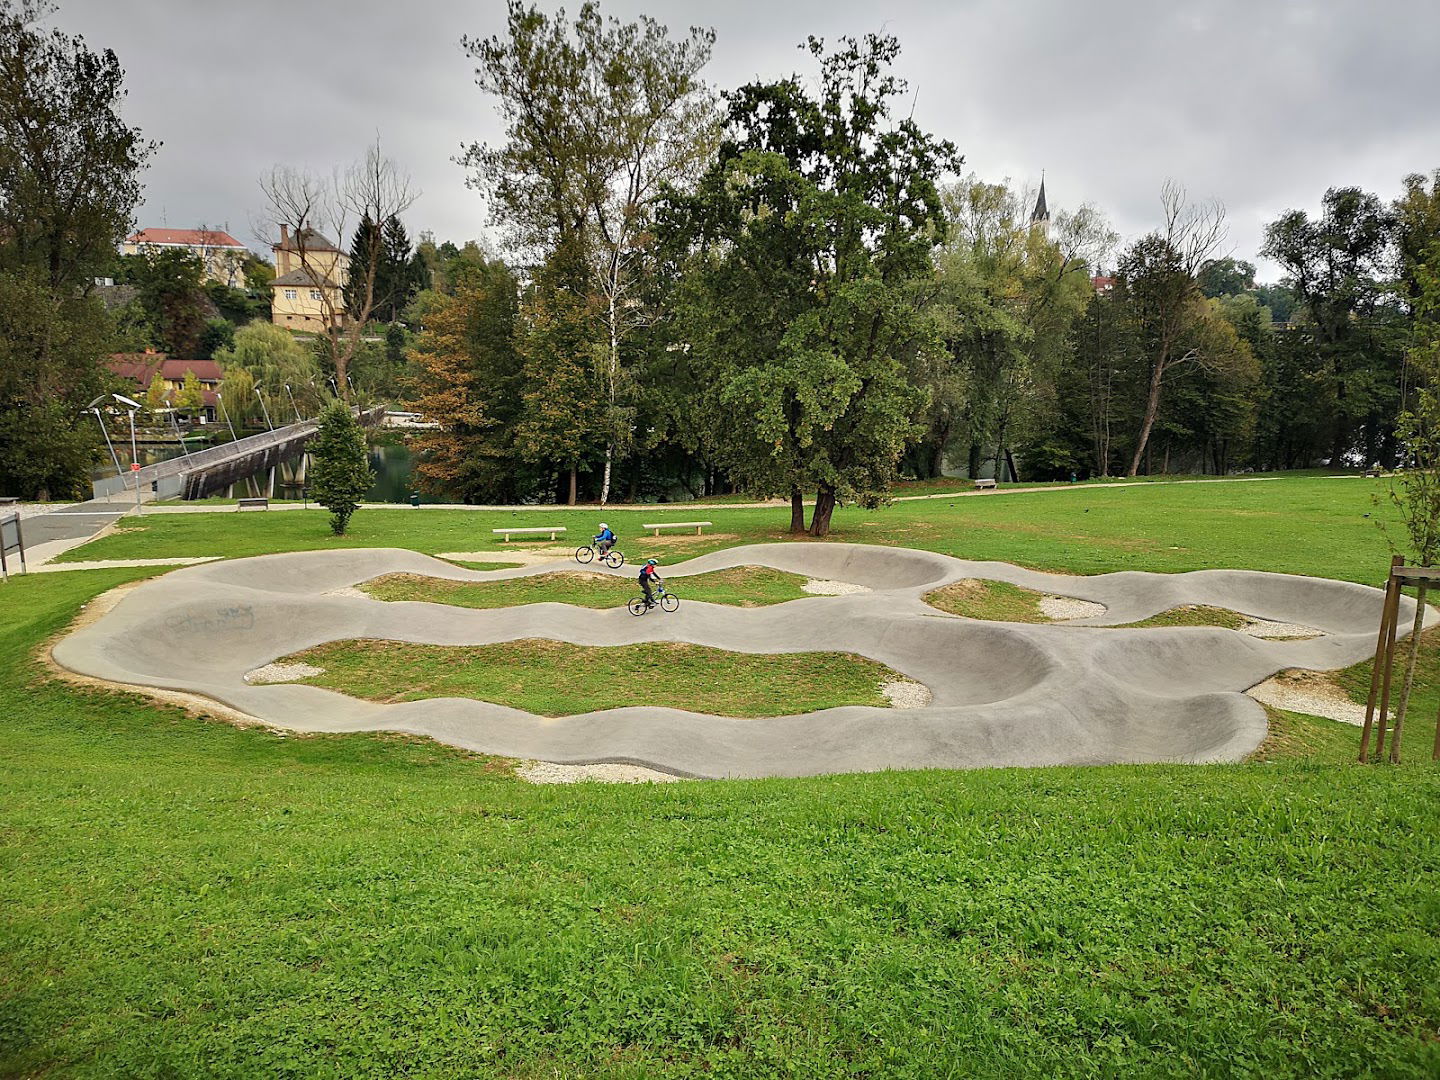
[[1003, 693]]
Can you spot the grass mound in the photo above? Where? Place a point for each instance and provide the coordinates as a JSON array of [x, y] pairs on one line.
[[556, 678], [994, 601], [1194, 615], [744, 586]]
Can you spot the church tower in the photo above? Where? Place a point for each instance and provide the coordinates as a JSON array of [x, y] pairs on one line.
[[1040, 216]]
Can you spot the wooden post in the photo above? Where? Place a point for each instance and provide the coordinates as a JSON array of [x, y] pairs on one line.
[[1389, 669], [1387, 615], [1420, 590]]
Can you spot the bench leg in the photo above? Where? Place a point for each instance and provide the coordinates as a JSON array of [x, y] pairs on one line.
[[697, 530]]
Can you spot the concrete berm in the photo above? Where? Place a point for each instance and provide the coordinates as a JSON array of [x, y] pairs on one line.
[[1003, 693]]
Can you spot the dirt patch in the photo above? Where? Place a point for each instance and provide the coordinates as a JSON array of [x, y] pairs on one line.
[[1314, 693], [824, 587], [1061, 608], [904, 694], [281, 673], [548, 772]]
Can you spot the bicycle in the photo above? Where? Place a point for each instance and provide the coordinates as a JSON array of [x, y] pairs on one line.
[[664, 599], [611, 558]]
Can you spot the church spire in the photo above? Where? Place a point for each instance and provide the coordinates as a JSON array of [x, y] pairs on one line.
[[1041, 214]]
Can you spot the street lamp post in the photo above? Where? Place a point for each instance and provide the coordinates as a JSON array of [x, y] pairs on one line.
[[94, 407], [291, 393], [263, 410], [226, 413], [132, 406]]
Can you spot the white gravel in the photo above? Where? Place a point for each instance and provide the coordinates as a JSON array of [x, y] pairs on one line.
[[1263, 628], [548, 772], [824, 587], [1061, 608], [29, 510], [1310, 692], [906, 694], [350, 590], [278, 673]]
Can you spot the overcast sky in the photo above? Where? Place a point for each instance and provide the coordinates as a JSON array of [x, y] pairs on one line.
[[1262, 104]]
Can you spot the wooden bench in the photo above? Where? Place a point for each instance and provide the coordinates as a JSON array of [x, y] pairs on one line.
[[988, 484], [541, 529], [252, 504], [9, 500], [696, 525]]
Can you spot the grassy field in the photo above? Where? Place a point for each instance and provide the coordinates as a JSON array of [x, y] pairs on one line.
[[180, 897], [995, 601], [555, 678], [1306, 525], [742, 586]]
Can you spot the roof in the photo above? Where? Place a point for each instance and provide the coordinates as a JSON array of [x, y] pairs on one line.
[[1041, 211], [314, 241], [305, 276], [142, 367], [186, 238]]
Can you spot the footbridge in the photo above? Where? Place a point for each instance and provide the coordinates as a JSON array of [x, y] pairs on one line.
[[211, 471]]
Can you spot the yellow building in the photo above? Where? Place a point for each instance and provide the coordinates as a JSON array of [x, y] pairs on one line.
[[308, 292], [221, 256]]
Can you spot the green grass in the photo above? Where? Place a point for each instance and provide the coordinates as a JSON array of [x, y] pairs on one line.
[[1303, 525], [1417, 737], [1194, 615], [555, 678], [468, 565], [996, 601], [180, 897], [743, 586]]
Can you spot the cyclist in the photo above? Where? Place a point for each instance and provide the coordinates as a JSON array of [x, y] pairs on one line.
[[604, 540], [648, 576]]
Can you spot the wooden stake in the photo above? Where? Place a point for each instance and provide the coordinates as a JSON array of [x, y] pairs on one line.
[[1410, 657], [1389, 670], [1386, 615]]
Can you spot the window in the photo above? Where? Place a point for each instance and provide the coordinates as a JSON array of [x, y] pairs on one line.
[[314, 294], [290, 294]]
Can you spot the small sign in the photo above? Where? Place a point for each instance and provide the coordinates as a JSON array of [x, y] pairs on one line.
[[135, 466]]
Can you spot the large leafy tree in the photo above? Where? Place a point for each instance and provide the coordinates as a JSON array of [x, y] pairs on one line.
[[599, 116], [808, 238], [69, 181], [287, 372]]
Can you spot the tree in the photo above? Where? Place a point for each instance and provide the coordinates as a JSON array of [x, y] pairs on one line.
[[191, 395], [1226, 277], [279, 363], [170, 287], [808, 236], [1160, 277], [340, 473], [599, 116], [237, 390], [157, 397], [218, 335], [374, 189], [69, 181]]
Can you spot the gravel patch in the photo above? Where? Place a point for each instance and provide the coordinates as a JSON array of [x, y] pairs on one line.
[[278, 673], [823, 587], [548, 772], [1061, 608], [906, 694], [1310, 692], [350, 590], [1263, 628], [29, 510]]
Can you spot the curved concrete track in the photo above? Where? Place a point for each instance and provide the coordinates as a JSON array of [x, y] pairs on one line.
[[1004, 694]]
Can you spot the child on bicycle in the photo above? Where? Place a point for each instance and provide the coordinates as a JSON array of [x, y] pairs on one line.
[[649, 576], [604, 540]]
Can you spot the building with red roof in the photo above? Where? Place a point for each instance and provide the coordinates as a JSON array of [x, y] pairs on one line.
[[222, 256], [141, 368]]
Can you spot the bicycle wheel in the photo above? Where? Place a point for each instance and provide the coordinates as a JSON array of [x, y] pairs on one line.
[[637, 606], [584, 554], [669, 601], [614, 560]]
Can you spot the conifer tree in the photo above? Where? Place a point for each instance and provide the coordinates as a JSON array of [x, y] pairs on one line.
[[341, 475]]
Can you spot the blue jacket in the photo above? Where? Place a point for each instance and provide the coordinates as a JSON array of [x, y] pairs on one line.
[[605, 534]]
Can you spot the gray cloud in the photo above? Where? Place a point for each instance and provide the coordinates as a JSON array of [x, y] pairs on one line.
[[1261, 104]]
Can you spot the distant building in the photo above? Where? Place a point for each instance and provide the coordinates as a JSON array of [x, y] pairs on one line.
[[308, 292], [1104, 284], [142, 367], [221, 256], [1040, 216]]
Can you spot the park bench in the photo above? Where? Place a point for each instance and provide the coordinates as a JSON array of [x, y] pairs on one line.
[[252, 504], [987, 484], [696, 525], [9, 500], [542, 529]]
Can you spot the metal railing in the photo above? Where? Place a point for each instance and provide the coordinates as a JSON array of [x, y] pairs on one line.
[[11, 539]]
